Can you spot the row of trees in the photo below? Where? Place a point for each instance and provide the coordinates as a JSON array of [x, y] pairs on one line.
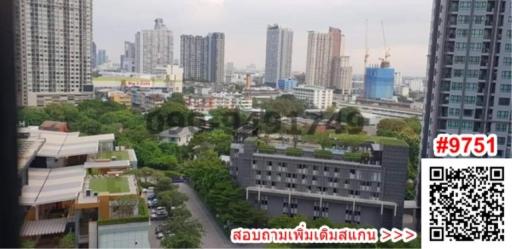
[[211, 179]]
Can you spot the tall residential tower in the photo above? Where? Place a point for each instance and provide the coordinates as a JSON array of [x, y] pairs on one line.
[[278, 60], [154, 48], [53, 50], [326, 64], [469, 72], [202, 58]]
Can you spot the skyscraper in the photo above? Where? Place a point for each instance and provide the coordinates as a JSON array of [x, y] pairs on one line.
[[102, 57], [53, 47], [342, 74], [202, 58], [325, 65], [278, 60], [128, 57], [469, 72], [318, 61], [94, 52], [215, 55], [153, 48], [469, 85]]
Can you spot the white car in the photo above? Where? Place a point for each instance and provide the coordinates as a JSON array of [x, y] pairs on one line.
[[160, 235]]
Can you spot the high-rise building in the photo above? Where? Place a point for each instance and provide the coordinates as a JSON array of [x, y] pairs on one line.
[[278, 60], [153, 48], [215, 55], [326, 66], [342, 74], [318, 60], [94, 52], [202, 58], [378, 82], [102, 57], [128, 57], [469, 85], [469, 72], [53, 48]]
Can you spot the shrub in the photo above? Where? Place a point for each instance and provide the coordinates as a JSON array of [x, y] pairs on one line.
[[325, 154], [294, 151]]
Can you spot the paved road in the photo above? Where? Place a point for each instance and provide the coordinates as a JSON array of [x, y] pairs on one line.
[[213, 236], [153, 241]]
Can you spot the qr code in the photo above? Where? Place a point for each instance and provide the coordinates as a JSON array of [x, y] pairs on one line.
[[467, 204]]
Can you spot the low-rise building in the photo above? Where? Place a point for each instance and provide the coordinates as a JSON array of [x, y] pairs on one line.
[[46, 98], [178, 135], [121, 98], [360, 180], [314, 96]]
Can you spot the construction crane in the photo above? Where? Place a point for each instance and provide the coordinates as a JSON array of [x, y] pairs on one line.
[[387, 51], [366, 53]]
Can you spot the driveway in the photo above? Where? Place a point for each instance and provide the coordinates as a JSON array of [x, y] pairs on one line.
[[213, 236]]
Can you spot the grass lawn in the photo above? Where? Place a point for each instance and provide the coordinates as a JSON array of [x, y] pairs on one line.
[[118, 184], [120, 155]]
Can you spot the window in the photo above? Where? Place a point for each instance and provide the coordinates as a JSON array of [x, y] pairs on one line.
[[455, 98], [502, 114], [453, 124], [503, 127], [506, 74], [471, 87], [506, 88], [504, 101], [467, 125], [453, 111], [507, 61], [456, 86], [469, 99]]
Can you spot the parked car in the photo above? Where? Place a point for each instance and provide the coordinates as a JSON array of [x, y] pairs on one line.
[[158, 230], [159, 235], [159, 216]]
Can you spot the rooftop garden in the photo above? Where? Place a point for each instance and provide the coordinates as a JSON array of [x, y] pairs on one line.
[[120, 155], [115, 184], [143, 215]]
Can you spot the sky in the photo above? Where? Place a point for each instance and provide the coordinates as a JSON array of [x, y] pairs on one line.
[[244, 22]]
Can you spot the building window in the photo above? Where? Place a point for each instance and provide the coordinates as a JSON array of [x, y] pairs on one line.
[[453, 111], [504, 101], [506, 74], [506, 88], [502, 127], [453, 124], [502, 114]]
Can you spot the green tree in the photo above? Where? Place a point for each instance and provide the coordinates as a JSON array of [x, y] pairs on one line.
[[170, 114], [285, 105], [67, 241], [33, 115], [218, 140]]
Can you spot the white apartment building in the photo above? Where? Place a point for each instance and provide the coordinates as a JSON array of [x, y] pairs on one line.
[[314, 96], [53, 50], [153, 48], [278, 60]]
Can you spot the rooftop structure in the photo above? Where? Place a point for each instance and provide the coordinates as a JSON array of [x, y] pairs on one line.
[[52, 185], [66, 144]]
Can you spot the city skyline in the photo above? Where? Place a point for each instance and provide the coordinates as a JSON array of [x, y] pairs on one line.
[[204, 16]]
